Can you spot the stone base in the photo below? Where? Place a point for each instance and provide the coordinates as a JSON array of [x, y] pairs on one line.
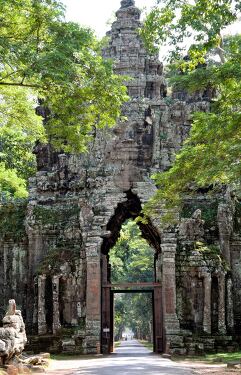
[[203, 343], [92, 345], [56, 344], [174, 340], [174, 344], [188, 343]]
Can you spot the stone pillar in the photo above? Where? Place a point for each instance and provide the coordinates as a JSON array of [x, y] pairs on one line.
[[56, 320], [221, 306], [229, 305], [225, 226], [207, 303], [42, 326], [93, 295], [171, 322], [93, 304], [159, 268]]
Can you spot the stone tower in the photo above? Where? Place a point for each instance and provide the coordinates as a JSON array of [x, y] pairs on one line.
[[58, 268]]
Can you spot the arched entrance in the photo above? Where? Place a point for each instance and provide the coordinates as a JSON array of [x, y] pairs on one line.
[[130, 209]]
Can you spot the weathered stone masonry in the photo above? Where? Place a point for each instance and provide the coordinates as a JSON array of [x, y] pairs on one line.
[[53, 266]]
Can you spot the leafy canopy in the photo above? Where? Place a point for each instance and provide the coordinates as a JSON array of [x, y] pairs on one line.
[[211, 154], [45, 57], [131, 259], [177, 23], [134, 311]]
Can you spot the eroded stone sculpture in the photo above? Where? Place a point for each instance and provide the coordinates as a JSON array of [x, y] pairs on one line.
[[12, 334]]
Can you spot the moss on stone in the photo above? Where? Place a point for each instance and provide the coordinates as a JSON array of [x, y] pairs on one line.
[[212, 255], [55, 215], [56, 257], [12, 223]]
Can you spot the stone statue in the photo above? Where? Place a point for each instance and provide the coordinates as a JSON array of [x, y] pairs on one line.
[[127, 3], [12, 334], [11, 307]]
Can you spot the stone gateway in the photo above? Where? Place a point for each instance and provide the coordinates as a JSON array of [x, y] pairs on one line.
[[54, 250]]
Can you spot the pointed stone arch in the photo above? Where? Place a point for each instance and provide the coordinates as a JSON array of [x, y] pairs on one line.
[[131, 208]]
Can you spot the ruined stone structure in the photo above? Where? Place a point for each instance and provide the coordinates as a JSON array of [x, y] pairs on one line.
[[54, 250]]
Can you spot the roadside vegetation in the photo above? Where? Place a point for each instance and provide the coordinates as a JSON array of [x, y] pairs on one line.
[[224, 357], [147, 344]]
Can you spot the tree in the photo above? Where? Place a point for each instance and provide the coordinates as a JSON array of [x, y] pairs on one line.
[[211, 154], [134, 311], [121, 315], [177, 23], [131, 259], [44, 57]]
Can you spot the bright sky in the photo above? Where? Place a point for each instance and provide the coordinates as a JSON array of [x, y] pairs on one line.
[[96, 13]]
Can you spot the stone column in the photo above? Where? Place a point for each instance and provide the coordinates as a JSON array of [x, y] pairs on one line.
[[93, 296], [225, 226], [171, 322], [221, 306], [56, 321], [159, 268], [229, 305], [42, 326], [207, 282]]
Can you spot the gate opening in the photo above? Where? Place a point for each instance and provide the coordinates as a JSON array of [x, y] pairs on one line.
[[130, 264], [133, 317]]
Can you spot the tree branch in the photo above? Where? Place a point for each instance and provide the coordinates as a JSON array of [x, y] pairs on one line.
[[10, 74], [20, 85], [220, 50]]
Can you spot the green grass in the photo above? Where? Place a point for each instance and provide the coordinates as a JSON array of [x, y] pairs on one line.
[[212, 358], [147, 344], [68, 357], [117, 344]]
